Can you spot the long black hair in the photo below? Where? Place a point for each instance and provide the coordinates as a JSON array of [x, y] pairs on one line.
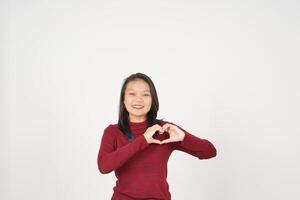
[[123, 122]]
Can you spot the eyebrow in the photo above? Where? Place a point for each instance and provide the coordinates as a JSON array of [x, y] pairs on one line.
[[142, 91]]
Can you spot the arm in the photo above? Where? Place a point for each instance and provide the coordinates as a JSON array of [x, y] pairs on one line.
[[201, 148], [110, 158]]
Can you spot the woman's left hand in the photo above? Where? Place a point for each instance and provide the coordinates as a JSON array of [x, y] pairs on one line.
[[176, 135]]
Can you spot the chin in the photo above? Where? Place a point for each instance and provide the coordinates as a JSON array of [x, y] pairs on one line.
[[139, 114]]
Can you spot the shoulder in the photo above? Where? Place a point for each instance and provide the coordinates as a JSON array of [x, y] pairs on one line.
[[111, 129]]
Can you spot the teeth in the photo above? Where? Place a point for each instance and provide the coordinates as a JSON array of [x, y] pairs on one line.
[[137, 106]]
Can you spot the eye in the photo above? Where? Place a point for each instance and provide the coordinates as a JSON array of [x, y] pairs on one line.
[[131, 93], [146, 94]]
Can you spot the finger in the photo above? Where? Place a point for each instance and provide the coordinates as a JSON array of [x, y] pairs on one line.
[[154, 129], [170, 127], [159, 129], [156, 141], [167, 126], [166, 141]]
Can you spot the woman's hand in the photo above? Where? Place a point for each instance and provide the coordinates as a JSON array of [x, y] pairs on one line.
[[175, 134], [151, 131]]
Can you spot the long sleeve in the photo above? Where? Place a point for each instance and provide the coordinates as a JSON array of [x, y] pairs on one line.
[[110, 157], [201, 148]]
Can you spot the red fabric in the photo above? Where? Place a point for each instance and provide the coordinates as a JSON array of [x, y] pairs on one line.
[[141, 168]]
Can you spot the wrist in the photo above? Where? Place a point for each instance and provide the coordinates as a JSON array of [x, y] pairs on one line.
[[146, 138], [183, 136]]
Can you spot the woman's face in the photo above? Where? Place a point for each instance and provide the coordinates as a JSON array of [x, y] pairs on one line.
[[137, 100]]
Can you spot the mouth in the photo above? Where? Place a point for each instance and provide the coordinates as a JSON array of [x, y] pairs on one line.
[[137, 106]]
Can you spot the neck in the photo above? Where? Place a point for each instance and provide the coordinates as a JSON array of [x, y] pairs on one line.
[[137, 120]]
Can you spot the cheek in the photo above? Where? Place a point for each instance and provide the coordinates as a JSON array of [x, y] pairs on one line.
[[127, 100], [149, 102]]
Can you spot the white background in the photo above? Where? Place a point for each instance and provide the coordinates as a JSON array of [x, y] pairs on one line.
[[227, 71]]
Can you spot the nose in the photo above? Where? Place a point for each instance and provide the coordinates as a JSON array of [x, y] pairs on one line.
[[138, 98]]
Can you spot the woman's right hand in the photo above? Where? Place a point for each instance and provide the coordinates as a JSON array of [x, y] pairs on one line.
[[151, 131]]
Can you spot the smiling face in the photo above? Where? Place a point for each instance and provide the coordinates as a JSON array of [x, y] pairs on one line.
[[137, 100]]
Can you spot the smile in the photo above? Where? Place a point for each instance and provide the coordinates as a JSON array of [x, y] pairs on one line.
[[138, 106]]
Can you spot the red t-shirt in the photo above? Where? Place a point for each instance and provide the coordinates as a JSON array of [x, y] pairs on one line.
[[141, 168]]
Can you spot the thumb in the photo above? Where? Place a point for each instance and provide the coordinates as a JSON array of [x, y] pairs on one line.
[[156, 141], [166, 141]]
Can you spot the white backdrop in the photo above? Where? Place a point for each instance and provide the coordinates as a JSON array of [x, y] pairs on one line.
[[227, 71]]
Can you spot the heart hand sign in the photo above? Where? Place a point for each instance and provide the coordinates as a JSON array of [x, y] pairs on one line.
[[175, 134]]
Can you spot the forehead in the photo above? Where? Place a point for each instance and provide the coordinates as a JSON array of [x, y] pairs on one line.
[[137, 85]]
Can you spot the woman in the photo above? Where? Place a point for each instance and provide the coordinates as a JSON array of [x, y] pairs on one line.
[[139, 146]]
